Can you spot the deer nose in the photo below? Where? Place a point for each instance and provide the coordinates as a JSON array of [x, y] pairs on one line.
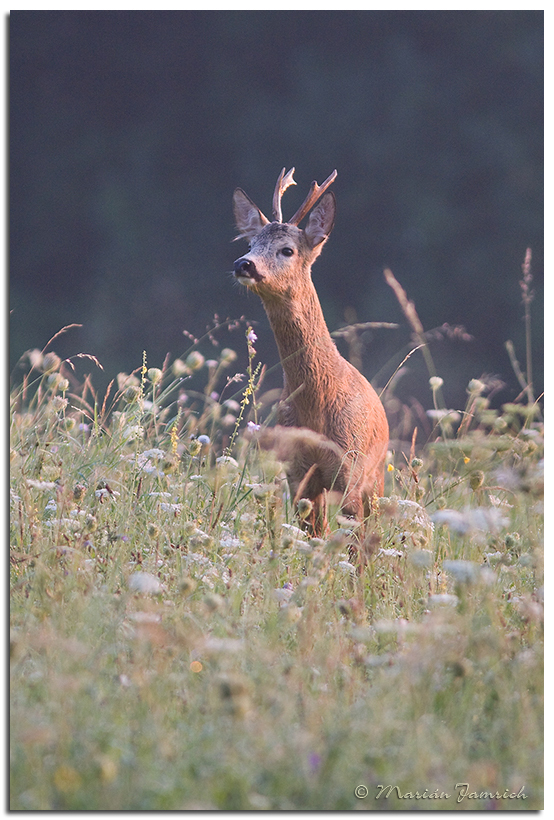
[[246, 269], [243, 266]]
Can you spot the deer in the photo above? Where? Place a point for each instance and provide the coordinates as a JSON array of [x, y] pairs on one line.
[[332, 432]]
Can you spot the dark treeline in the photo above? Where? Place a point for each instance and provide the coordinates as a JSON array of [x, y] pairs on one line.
[[130, 130]]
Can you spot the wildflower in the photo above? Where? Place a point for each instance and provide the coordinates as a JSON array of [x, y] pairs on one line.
[[233, 691], [485, 519], [229, 461], [155, 375], [131, 393], [50, 363], [443, 599], [169, 465], [145, 583], [59, 404], [91, 523], [126, 380], [283, 595], [476, 479], [50, 509], [475, 387], [134, 431], [444, 415], [41, 485], [102, 492], [67, 779], [187, 586], [56, 382], [194, 447], [227, 355], [305, 507], [195, 360], [35, 358], [421, 558], [179, 368], [213, 602], [173, 508], [436, 383], [232, 405], [251, 336], [290, 529], [253, 427], [346, 566], [314, 762], [464, 572], [219, 646], [229, 542], [204, 440]]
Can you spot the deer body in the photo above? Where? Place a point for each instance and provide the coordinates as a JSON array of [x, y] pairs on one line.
[[334, 433]]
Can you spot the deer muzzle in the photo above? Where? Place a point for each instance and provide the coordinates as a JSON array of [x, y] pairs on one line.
[[246, 271]]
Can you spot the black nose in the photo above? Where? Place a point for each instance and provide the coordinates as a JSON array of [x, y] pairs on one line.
[[244, 267]]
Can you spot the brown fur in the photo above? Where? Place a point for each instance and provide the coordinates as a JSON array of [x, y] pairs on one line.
[[322, 391]]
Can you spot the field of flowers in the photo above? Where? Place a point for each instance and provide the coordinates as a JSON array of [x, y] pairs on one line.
[[179, 642]]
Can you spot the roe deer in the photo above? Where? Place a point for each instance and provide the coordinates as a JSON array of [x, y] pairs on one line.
[[343, 436]]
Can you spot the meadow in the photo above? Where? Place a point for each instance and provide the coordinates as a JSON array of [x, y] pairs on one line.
[[178, 641]]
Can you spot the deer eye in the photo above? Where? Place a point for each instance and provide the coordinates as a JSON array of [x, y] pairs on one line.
[[287, 252]]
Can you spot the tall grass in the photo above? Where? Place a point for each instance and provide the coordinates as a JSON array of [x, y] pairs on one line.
[[179, 642]]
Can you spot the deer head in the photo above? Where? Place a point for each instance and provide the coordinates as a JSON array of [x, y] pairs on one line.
[[281, 253]]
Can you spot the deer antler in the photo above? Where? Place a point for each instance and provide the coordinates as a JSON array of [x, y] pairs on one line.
[[284, 181], [316, 191]]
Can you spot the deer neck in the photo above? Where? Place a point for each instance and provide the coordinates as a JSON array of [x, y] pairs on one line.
[[306, 349]]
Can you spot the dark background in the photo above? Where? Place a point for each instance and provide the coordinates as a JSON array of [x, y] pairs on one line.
[[130, 130]]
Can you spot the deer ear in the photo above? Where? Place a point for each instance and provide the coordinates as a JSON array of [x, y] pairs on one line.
[[248, 217], [321, 221]]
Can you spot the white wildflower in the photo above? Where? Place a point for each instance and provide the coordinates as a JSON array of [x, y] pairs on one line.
[[219, 646], [444, 415], [227, 461], [291, 530], [443, 599], [464, 572], [145, 617], [155, 452], [145, 583], [451, 518], [346, 566], [484, 519], [172, 508], [41, 485], [421, 558], [282, 595], [133, 432], [229, 542]]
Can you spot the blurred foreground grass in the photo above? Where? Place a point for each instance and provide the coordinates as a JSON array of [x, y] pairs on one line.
[[178, 642]]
